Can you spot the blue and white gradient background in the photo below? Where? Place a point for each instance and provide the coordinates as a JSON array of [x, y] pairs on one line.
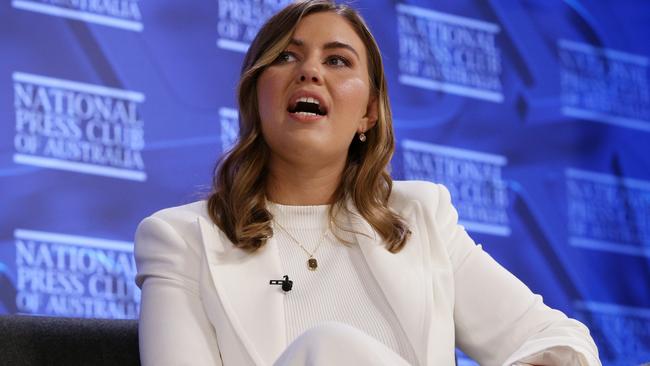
[[535, 114]]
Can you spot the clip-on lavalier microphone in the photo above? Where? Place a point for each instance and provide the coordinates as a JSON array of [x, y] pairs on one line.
[[286, 283]]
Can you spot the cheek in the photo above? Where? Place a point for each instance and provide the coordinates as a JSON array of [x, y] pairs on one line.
[[263, 95], [268, 92], [352, 95]]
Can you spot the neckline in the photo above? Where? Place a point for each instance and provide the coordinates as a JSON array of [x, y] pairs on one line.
[[300, 216], [286, 206]]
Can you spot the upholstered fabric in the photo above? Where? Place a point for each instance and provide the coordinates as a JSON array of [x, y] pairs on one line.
[[28, 340]]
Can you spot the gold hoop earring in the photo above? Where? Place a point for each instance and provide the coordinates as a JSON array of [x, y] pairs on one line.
[[362, 137]]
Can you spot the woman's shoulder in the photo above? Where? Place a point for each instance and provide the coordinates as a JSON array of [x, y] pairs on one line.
[[428, 193], [182, 219], [183, 213], [167, 243]]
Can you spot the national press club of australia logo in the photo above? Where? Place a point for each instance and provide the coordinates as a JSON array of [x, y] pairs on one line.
[[449, 53], [608, 213], [604, 85], [240, 20], [472, 177], [123, 14], [79, 127], [58, 274]]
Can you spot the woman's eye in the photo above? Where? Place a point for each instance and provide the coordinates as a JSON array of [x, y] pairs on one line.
[[285, 57], [337, 61]]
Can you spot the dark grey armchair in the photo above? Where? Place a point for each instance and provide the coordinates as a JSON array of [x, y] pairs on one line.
[[36, 341]]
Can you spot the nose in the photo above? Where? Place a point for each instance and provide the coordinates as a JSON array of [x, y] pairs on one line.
[[314, 78], [310, 72]]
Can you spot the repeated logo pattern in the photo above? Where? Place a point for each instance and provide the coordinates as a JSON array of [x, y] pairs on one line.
[[446, 52], [123, 14], [74, 276], [604, 85], [92, 129], [473, 179], [79, 164], [239, 21]]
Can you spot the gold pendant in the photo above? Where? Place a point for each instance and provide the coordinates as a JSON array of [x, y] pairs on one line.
[[312, 263]]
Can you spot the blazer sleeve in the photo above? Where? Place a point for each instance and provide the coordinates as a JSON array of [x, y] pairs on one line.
[[174, 328], [498, 320]]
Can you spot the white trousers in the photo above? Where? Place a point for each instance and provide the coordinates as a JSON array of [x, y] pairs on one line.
[[337, 344]]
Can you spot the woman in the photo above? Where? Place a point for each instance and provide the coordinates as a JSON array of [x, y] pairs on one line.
[[382, 273]]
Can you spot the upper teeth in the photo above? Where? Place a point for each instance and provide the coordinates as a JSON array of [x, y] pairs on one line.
[[308, 100]]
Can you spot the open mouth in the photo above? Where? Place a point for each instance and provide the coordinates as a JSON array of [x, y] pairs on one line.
[[307, 106]]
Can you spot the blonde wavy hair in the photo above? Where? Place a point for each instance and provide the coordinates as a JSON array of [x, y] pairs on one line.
[[237, 204]]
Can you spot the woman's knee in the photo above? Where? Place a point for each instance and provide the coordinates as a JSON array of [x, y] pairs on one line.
[[337, 343], [334, 335]]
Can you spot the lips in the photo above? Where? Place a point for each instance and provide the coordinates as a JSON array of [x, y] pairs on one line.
[[307, 104]]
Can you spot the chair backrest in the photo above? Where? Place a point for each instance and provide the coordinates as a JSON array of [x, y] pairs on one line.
[[31, 340]]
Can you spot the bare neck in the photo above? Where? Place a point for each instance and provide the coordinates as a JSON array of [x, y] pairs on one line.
[[305, 184]]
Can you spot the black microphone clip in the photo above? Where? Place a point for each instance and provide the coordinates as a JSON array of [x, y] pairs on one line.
[[286, 283]]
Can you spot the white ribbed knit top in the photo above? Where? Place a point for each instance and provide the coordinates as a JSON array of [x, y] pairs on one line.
[[341, 289]]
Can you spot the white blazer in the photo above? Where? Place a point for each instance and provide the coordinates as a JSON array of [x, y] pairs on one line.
[[206, 302]]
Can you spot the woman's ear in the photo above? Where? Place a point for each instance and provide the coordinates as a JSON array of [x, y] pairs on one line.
[[370, 119]]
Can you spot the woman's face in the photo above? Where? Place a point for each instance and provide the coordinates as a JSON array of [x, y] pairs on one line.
[[316, 95]]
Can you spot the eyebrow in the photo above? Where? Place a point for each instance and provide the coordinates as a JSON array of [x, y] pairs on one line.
[[327, 46]]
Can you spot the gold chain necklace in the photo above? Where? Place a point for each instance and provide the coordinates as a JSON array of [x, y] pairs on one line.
[[312, 263]]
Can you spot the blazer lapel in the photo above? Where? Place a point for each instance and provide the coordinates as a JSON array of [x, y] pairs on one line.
[[254, 308], [401, 276]]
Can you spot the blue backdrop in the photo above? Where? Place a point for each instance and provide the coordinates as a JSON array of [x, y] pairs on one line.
[[536, 115]]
